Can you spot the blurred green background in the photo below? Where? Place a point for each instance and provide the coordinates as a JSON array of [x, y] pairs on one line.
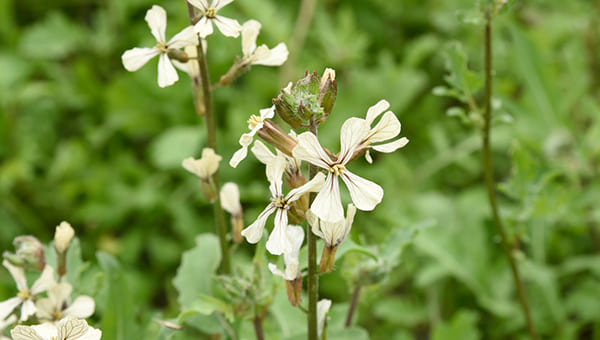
[[83, 140]]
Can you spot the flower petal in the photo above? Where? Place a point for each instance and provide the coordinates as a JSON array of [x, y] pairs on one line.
[[322, 310], [267, 113], [250, 31], [44, 282], [275, 169], [167, 75], [377, 109], [327, 205], [218, 4], [83, 307], [315, 184], [18, 275], [230, 198], [365, 194], [204, 27], [45, 309], [59, 293], [238, 156], [392, 146], [200, 4], [27, 309], [388, 127], [254, 232], [273, 268], [7, 306], [229, 27], [273, 57], [278, 242], [156, 17], [137, 57], [354, 130], [309, 149], [187, 37], [21, 332], [262, 153]]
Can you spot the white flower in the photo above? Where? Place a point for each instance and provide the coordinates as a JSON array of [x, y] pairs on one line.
[[55, 306], [292, 270], [322, 310], [67, 329], [264, 155], [333, 233], [25, 295], [260, 55], [255, 123], [62, 236], [387, 128], [204, 167], [135, 58], [230, 199], [364, 193], [191, 67], [278, 241], [6, 323], [229, 27]]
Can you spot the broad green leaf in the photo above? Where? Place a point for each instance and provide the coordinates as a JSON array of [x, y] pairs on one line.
[[463, 326], [207, 305], [174, 145]]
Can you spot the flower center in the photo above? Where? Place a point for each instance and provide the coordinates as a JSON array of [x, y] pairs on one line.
[[211, 13], [254, 121], [280, 202], [57, 315], [337, 169], [24, 295], [162, 47]]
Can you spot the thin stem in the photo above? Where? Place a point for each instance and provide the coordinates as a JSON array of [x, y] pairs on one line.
[[313, 271], [489, 179], [258, 329], [211, 131], [353, 305], [303, 22]]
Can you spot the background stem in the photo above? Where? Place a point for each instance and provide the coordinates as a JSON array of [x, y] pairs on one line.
[[353, 305], [489, 178], [303, 22], [211, 140], [313, 273]]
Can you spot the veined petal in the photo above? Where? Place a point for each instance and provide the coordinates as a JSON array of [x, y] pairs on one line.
[[218, 4], [250, 31], [315, 184], [137, 57], [354, 130], [18, 275], [83, 307], [167, 75], [392, 146], [327, 205], [200, 4], [229, 27], [365, 194], [278, 242], [388, 127], [275, 169], [254, 232], [309, 149], [296, 237], [377, 109], [156, 17], [21, 332], [7, 306], [273, 57], [44, 282], [332, 231], [204, 27], [27, 309], [59, 293], [186, 37], [262, 153]]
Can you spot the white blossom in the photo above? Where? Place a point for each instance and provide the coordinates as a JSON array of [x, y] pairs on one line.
[[278, 241], [387, 128], [229, 27], [191, 67], [62, 236], [292, 270], [204, 167], [67, 329], [25, 294], [230, 198], [333, 233], [135, 58], [364, 193], [264, 155], [322, 310], [55, 306], [255, 123], [260, 55]]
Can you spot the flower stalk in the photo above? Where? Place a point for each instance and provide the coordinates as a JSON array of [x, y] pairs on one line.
[[489, 177], [353, 305], [206, 94], [313, 273]]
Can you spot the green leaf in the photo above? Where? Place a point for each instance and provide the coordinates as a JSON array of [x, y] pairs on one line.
[[53, 38], [174, 145], [463, 326], [207, 305]]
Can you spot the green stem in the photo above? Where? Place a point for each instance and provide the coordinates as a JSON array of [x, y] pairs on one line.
[[353, 305], [489, 179], [211, 131], [258, 329], [313, 273]]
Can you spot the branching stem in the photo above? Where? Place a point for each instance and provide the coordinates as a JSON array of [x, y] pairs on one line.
[[489, 178]]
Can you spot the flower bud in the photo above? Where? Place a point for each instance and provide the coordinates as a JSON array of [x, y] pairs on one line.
[[62, 237], [293, 289], [230, 201], [29, 253], [276, 137], [283, 107], [327, 92]]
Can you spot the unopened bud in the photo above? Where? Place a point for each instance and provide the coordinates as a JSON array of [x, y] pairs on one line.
[[276, 137], [294, 289], [29, 253], [62, 237], [327, 258], [230, 201], [283, 107], [327, 92]]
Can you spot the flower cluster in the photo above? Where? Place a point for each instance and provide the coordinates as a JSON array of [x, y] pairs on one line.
[[181, 50]]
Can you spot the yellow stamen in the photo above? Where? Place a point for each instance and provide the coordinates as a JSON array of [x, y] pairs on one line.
[[280, 202], [162, 47], [254, 121], [57, 315], [23, 295], [211, 13], [337, 169]]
